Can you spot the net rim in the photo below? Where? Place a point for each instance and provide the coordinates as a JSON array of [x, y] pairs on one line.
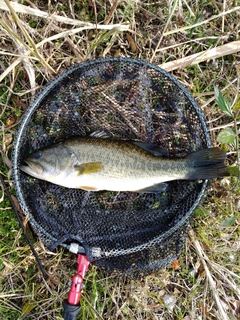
[[36, 103]]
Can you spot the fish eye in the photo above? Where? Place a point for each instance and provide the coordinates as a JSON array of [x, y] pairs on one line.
[[37, 155]]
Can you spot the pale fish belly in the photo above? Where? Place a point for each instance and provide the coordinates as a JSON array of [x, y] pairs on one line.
[[115, 180]]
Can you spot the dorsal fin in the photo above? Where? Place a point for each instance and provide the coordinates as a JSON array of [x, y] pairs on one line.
[[152, 148]]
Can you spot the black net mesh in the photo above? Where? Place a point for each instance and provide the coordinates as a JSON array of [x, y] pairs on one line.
[[127, 99]]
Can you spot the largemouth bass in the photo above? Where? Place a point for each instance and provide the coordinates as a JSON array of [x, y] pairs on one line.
[[94, 164]]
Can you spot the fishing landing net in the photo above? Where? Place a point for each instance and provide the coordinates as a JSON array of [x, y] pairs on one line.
[[125, 99]]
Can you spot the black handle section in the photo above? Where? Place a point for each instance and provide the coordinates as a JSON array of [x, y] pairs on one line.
[[70, 312]]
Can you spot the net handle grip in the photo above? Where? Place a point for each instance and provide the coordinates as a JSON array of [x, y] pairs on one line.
[[70, 312]]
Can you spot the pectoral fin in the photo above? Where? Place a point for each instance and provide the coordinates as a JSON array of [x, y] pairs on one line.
[[160, 187], [88, 168]]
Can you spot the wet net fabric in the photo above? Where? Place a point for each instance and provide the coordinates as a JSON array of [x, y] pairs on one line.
[[126, 99]]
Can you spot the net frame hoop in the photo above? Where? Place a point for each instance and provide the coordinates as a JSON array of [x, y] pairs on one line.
[[36, 103]]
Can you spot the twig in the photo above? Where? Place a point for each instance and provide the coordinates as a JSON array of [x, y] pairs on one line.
[[225, 270], [189, 9], [196, 58], [223, 17], [212, 284], [95, 11], [20, 8], [223, 273], [224, 126], [201, 22], [22, 56], [116, 27], [113, 8], [196, 40], [165, 28], [31, 45], [15, 295]]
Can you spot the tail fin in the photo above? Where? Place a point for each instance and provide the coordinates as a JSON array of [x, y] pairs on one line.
[[208, 164]]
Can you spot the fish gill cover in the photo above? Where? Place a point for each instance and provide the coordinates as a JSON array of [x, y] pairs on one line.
[[127, 99]]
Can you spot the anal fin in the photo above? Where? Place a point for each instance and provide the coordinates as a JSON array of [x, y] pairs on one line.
[[88, 188], [155, 188]]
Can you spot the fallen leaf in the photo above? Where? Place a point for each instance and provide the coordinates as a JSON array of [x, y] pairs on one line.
[[161, 293], [237, 309], [6, 160], [175, 265], [201, 269], [28, 307], [206, 246], [117, 53], [8, 267], [11, 120], [16, 203], [131, 42], [7, 139], [180, 16]]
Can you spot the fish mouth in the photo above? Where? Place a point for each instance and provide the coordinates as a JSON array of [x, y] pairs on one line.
[[32, 168]]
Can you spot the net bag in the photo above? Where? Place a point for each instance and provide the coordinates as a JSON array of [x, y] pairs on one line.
[[125, 99]]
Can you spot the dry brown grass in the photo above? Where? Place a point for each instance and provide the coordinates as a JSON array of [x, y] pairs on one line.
[[199, 40]]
